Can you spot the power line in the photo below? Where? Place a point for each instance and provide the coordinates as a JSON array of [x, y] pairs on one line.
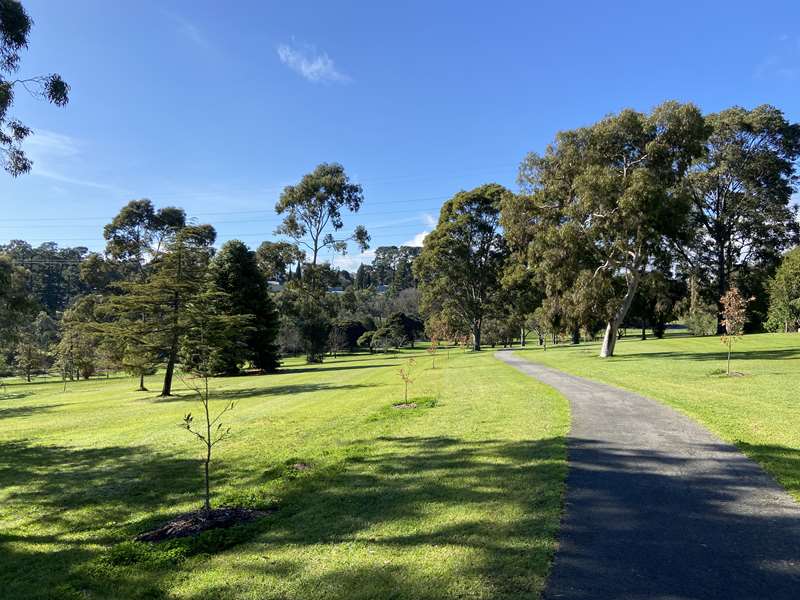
[[206, 196], [367, 204], [275, 219], [266, 235]]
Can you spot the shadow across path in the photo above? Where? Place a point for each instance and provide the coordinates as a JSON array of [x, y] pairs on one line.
[[657, 507]]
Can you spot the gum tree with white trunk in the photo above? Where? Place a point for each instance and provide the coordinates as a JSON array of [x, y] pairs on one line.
[[612, 197]]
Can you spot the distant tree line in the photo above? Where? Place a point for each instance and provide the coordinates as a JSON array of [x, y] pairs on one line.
[[634, 222], [133, 306]]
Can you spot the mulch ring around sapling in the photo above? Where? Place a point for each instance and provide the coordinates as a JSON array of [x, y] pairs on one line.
[[418, 402], [195, 522]]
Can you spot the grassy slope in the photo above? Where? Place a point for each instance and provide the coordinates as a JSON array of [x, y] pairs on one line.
[[459, 500], [758, 411]]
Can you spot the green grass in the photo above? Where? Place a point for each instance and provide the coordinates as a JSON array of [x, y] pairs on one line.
[[758, 410], [458, 498]]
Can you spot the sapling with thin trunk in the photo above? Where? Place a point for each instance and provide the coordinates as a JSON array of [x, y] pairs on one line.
[[405, 374], [210, 331], [734, 316], [432, 350]]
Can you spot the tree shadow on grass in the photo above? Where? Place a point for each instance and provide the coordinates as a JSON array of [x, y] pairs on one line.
[[722, 355], [335, 367], [783, 462], [24, 411], [392, 481], [407, 480], [63, 502], [256, 392], [661, 524], [14, 395]]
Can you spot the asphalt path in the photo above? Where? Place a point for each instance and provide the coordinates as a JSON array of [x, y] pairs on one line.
[[657, 507]]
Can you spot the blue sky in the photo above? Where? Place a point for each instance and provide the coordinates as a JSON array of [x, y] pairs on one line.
[[215, 106]]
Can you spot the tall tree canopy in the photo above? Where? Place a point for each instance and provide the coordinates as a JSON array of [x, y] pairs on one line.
[[15, 301], [277, 259], [234, 271], [461, 263], [610, 197], [784, 295], [741, 190], [15, 27], [139, 232], [313, 210], [151, 314]]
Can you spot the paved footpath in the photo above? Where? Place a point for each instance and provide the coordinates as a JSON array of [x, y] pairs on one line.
[[658, 508]]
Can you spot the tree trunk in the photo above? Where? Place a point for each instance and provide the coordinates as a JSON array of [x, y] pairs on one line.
[[612, 328], [166, 390], [609, 339], [576, 336], [522, 336], [730, 340], [141, 383], [722, 287], [476, 336]]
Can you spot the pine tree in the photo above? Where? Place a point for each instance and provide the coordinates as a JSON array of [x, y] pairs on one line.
[[234, 271], [152, 313]]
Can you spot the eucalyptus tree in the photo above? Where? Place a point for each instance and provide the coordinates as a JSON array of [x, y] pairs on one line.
[[461, 263], [741, 190], [15, 28], [312, 217], [313, 208], [277, 259], [611, 197], [139, 233]]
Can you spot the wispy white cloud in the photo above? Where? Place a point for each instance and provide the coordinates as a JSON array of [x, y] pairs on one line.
[[50, 143], [429, 219], [314, 66], [51, 152], [417, 240], [783, 62], [189, 30]]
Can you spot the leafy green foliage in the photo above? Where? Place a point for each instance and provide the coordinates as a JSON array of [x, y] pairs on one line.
[[605, 202], [741, 188], [784, 295], [365, 340], [15, 28], [234, 271], [276, 260], [461, 264], [54, 277], [139, 232], [210, 331], [313, 210], [150, 315]]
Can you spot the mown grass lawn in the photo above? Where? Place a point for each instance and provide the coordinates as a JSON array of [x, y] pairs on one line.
[[758, 410], [459, 498]]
